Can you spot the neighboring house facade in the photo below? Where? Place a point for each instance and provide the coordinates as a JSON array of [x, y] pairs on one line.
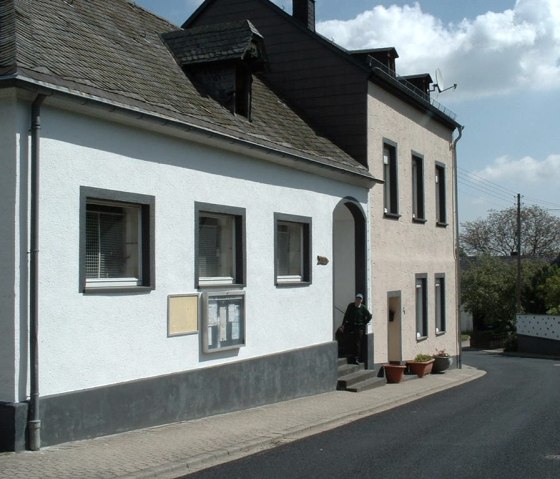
[[391, 125], [170, 225]]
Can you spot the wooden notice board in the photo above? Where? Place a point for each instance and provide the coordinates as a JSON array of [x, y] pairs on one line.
[[182, 314]]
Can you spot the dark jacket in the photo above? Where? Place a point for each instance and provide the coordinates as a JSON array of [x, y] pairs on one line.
[[356, 317]]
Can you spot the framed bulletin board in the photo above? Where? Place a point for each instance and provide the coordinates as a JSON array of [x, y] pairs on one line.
[[223, 320], [182, 314]]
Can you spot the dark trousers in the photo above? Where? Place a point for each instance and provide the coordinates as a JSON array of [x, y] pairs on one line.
[[353, 344]]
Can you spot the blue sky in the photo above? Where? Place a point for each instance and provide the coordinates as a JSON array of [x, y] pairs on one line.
[[504, 56]]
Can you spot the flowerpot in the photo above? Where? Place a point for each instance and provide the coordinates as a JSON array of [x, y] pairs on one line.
[[441, 363], [420, 368], [394, 373]]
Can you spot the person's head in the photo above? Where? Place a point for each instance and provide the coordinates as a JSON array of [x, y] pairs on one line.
[[359, 299]]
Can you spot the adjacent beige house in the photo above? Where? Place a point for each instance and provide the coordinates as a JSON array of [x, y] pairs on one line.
[[413, 230]]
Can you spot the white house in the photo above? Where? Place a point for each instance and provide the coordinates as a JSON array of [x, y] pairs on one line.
[[162, 214]]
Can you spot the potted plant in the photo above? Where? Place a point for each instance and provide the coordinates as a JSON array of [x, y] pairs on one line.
[[421, 365], [394, 372], [442, 361]]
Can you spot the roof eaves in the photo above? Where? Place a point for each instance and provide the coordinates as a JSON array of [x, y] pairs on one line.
[[274, 152], [430, 106]]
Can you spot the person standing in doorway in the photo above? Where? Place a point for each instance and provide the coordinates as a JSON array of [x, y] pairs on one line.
[[354, 325]]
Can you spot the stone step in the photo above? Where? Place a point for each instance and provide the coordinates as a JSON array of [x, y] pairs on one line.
[[366, 385], [345, 369], [355, 377]]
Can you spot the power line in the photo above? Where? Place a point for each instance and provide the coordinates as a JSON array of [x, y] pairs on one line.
[[497, 191], [469, 183], [486, 182]]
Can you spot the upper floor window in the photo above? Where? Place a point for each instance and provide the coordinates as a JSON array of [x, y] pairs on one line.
[[441, 206], [391, 194], [292, 249], [421, 307], [220, 246], [418, 188], [440, 303], [117, 239]]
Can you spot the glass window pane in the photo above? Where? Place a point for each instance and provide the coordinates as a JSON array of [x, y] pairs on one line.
[[216, 245], [289, 259], [112, 241]]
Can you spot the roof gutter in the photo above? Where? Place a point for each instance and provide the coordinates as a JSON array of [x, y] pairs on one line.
[[34, 420], [457, 268]]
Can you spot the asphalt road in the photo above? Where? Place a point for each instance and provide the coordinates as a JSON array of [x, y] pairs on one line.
[[504, 425]]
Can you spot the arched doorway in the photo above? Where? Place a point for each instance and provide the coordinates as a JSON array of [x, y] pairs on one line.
[[349, 256]]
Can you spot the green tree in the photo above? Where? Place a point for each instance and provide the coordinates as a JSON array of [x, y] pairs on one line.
[[488, 287], [550, 290], [496, 234]]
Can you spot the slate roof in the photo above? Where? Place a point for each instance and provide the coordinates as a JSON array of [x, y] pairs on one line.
[[112, 51], [209, 43]]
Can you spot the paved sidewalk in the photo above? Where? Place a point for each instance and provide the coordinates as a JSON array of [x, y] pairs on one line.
[[177, 449]]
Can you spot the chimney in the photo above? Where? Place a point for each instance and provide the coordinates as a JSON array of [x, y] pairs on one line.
[[304, 12]]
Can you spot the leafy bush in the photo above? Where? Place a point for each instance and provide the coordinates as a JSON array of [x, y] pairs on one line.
[[421, 358]]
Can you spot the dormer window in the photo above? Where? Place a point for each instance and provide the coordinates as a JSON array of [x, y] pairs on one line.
[[242, 102], [221, 60]]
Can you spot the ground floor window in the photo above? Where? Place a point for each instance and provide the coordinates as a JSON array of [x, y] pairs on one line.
[[116, 239], [292, 249], [220, 245], [421, 307], [440, 303]]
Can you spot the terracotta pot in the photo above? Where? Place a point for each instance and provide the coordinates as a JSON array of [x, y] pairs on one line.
[[394, 373], [441, 363], [420, 368]]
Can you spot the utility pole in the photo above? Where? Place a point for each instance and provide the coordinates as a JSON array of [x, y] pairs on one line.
[[518, 284]]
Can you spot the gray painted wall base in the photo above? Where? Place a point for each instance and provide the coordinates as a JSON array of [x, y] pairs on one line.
[[185, 396], [13, 421]]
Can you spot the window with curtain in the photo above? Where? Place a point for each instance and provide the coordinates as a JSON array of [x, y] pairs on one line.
[[116, 239]]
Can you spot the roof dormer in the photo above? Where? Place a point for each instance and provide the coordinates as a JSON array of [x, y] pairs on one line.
[[220, 59], [378, 57], [420, 82]]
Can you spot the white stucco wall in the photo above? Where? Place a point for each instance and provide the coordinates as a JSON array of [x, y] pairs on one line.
[[402, 248], [93, 340]]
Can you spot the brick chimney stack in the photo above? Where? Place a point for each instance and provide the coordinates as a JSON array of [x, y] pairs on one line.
[[304, 12]]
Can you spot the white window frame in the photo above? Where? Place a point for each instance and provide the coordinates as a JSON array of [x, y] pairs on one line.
[[304, 223], [391, 180], [441, 195], [439, 298], [237, 241], [418, 203], [421, 305], [143, 206]]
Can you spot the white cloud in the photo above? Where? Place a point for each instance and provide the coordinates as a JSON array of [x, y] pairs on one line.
[[495, 53], [523, 171]]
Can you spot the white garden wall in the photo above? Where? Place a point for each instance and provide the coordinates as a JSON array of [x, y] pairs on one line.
[[539, 326]]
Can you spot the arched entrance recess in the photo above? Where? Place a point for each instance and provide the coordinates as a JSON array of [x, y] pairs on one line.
[[349, 256]]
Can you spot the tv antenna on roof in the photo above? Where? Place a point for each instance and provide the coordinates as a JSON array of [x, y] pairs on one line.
[[439, 84]]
